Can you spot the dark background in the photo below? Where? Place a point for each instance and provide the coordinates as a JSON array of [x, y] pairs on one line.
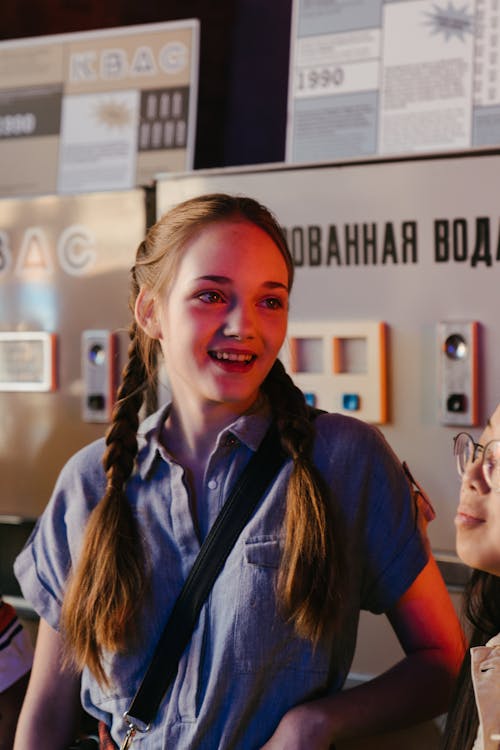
[[243, 74]]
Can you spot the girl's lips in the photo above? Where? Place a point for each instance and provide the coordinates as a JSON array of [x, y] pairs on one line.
[[464, 518], [233, 362]]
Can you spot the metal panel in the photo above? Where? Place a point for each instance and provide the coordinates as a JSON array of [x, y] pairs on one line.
[[64, 265]]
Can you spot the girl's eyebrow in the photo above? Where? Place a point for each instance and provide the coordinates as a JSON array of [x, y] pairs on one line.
[[226, 280], [216, 279], [276, 285]]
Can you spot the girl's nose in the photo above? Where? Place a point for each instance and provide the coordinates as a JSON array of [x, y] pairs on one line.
[[473, 476], [239, 323]]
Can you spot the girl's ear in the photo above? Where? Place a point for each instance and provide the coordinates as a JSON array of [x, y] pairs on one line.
[[145, 314]]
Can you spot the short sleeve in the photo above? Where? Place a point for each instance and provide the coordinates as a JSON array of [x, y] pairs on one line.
[[43, 565], [384, 539], [396, 544]]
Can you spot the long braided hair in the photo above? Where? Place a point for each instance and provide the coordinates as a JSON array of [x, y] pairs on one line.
[[106, 591], [482, 610]]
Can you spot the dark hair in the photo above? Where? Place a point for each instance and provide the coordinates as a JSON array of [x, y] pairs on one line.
[[482, 610], [102, 606]]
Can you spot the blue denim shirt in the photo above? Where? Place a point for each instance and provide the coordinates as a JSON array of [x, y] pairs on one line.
[[244, 666]]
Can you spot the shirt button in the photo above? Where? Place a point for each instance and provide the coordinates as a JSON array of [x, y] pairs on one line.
[[212, 484]]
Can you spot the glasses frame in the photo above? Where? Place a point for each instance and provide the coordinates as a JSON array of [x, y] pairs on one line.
[[476, 447]]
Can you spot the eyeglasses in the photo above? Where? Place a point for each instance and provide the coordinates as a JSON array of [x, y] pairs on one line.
[[467, 452]]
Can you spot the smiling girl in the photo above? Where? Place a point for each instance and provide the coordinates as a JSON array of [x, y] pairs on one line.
[[474, 720], [337, 530]]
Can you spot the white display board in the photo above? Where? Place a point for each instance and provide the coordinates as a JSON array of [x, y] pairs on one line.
[[397, 77], [412, 244], [97, 110]]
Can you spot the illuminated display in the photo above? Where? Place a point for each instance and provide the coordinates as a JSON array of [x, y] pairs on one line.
[[27, 361]]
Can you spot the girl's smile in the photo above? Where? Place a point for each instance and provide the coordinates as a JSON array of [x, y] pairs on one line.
[[231, 357]]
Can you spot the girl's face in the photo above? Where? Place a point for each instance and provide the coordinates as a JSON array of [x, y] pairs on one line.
[[478, 516], [223, 320]]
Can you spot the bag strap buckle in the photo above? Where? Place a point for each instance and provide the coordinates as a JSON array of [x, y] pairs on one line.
[[134, 726]]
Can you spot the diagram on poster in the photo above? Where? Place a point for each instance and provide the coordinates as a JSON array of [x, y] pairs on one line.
[[103, 151]]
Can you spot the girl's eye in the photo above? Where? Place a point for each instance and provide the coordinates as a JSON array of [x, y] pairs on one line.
[[273, 303], [491, 463], [492, 455], [210, 297]]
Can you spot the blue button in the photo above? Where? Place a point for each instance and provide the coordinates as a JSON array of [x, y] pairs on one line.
[[310, 399], [350, 401]]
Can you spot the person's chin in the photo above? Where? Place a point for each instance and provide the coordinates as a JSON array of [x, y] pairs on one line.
[[467, 552]]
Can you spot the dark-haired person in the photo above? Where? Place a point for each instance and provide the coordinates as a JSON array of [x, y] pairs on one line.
[[474, 719], [337, 529]]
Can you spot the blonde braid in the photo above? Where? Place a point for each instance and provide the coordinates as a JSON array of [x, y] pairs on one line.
[[107, 589], [310, 580]]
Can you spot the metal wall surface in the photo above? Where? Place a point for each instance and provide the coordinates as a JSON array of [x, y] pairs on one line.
[[64, 265]]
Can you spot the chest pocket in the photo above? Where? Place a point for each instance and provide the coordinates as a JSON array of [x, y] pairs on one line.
[[262, 637]]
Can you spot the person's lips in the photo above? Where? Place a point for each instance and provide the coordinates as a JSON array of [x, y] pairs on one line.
[[233, 360], [467, 517], [232, 356]]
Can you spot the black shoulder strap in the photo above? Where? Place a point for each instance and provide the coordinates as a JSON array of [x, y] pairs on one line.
[[234, 515]]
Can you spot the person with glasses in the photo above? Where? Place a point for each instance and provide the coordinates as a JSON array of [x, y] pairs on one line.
[[474, 719]]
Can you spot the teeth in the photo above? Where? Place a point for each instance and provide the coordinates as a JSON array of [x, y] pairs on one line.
[[233, 357]]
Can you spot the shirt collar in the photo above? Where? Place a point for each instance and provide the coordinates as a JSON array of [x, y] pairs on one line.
[[249, 429], [148, 438]]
